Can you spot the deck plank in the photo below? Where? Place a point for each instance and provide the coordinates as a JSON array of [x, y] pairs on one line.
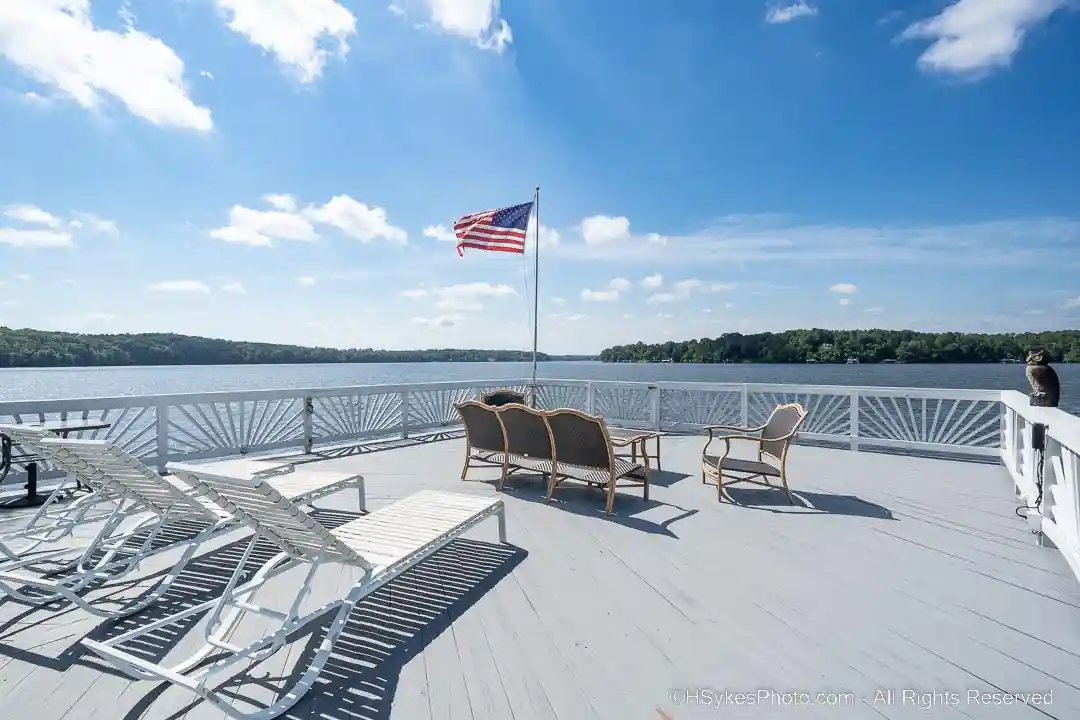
[[912, 573]]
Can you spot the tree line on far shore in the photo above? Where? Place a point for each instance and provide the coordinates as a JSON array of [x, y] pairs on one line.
[[866, 346], [44, 348]]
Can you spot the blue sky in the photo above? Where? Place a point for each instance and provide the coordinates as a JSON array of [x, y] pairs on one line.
[[284, 170]]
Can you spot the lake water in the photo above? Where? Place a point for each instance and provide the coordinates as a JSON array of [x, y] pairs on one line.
[[45, 383]]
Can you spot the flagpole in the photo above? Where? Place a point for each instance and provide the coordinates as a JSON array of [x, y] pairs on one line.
[[536, 288]]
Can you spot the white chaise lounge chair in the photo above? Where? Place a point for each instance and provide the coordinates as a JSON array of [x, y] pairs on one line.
[[52, 521], [152, 507], [382, 544]]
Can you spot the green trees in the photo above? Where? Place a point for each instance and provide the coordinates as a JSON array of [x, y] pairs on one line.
[[868, 346], [42, 348]]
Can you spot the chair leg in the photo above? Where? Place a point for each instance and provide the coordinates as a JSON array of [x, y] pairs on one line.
[[609, 506], [790, 499], [646, 495], [468, 457], [502, 478]]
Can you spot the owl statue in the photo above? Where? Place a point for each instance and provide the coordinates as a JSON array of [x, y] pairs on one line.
[[1045, 388]]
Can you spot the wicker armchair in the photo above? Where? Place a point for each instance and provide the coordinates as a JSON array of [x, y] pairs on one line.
[[498, 398], [773, 439]]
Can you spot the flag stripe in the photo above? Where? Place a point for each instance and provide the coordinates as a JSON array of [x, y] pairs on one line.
[[493, 248]]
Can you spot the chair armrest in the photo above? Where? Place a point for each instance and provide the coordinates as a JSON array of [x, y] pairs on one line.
[[736, 428]]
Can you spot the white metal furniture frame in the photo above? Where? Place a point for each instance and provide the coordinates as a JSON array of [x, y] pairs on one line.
[[383, 545], [157, 505], [52, 521]]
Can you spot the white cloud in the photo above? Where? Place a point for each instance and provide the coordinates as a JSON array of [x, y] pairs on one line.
[[845, 301], [844, 288], [615, 287], [772, 239], [440, 233], [32, 215], [558, 301], [477, 21], [94, 224], [296, 32], [283, 202], [439, 321], [465, 297], [599, 295], [971, 37], [23, 277], [656, 238], [1072, 302], [653, 281], [787, 13], [564, 317], [604, 230], [206, 74], [683, 289], [548, 236], [55, 42], [874, 310], [259, 228], [729, 305], [233, 288], [34, 238], [305, 281], [357, 220], [179, 286]]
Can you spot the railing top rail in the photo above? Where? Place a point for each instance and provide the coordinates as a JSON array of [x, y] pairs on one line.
[[228, 395], [815, 388], [61, 404], [1063, 425]]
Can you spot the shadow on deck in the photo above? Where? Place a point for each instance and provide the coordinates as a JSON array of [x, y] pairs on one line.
[[898, 573]]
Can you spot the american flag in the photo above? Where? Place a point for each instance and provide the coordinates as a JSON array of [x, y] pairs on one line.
[[501, 230]]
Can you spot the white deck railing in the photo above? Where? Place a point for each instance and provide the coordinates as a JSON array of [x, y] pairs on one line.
[[164, 428], [989, 423], [1052, 490]]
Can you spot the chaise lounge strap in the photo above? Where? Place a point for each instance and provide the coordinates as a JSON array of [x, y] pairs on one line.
[[393, 534]]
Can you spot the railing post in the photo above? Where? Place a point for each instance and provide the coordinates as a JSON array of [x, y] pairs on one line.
[[854, 420], [744, 406], [657, 408], [1008, 437], [405, 414], [309, 425], [590, 398], [161, 411]]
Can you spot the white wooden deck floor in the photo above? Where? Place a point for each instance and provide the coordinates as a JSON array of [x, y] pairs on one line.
[[909, 575]]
